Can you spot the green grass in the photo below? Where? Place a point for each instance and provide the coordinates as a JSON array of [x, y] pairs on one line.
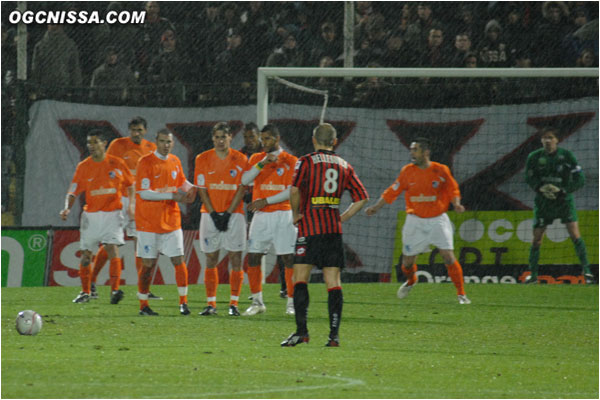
[[514, 341]]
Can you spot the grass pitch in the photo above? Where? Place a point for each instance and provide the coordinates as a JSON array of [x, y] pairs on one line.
[[514, 341]]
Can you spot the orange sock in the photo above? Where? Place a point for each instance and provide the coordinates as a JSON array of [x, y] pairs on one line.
[[98, 262], [235, 281], [255, 278], [138, 264], [211, 281], [409, 273], [84, 274], [181, 277], [144, 277], [289, 281], [456, 274], [116, 266]]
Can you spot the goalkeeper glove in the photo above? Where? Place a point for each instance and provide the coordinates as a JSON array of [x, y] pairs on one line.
[[225, 220], [216, 217], [550, 191]]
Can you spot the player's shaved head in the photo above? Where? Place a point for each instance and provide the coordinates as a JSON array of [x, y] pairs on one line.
[[325, 135]]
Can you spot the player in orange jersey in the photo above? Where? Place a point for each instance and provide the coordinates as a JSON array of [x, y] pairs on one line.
[[101, 177], [429, 188], [160, 184], [130, 149], [270, 172], [222, 225]]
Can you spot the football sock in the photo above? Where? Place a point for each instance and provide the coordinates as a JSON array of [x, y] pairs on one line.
[[582, 254], [335, 301], [534, 257], [144, 277], [301, 301], [289, 281], [116, 265], [235, 282], [255, 278], [410, 274], [98, 262], [181, 278], [84, 273], [456, 274], [211, 281]]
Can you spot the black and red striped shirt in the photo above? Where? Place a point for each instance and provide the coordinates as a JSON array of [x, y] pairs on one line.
[[322, 177]]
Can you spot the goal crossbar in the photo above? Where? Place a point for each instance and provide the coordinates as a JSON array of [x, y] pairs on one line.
[[265, 73]]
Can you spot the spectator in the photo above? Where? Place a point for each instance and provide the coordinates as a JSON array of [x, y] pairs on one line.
[[373, 43], [550, 34], [170, 66], [255, 29], [469, 60], [523, 59], [328, 44], [230, 16], [112, 79], [150, 36], [587, 59], [462, 46], [418, 32], [493, 51], [235, 63], [516, 32], [288, 55], [436, 54], [121, 36], [372, 91], [468, 23], [397, 54], [55, 63]]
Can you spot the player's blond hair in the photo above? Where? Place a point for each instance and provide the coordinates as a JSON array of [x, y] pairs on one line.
[[325, 134]]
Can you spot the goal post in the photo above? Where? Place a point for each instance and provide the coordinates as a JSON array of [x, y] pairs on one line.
[[265, 73]]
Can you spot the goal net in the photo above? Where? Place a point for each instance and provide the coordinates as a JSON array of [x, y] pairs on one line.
[[482, 124]]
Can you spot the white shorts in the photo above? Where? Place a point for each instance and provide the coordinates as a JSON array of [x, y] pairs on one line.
[[100, 227], [149, 244], [233, 239], [128, 223], [419, 233], [272, 227]]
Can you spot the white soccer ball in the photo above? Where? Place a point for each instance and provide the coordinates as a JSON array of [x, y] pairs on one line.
[[29, 322]]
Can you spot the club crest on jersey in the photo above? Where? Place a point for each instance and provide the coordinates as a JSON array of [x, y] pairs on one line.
[[233, 173], [280, 171], [300, 250], [435, 184], [173, 174], [111, 174]]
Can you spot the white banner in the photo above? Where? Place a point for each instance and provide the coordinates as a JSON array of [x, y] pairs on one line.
[[484, 143]]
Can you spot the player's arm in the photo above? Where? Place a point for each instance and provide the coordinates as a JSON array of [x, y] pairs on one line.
[[576, 179], [453, 191], [372, 210], [186, 193], [295, 203], [531, 177], [251, 174], [353, 209], [131, 196], [69, 201], [276, 198]]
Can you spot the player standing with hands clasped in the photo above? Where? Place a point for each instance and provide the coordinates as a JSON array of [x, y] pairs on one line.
[[101, 177], [554, 174], [320, 179], [222, 225], [429, 188], [160, 184], [271, 174]]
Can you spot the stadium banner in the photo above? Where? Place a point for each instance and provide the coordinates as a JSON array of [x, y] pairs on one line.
[[24, 253], [64, 266], [485, 147], [493, 247]]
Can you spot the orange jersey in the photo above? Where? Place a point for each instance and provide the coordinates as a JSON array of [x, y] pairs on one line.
[[428, 191], [164, 176], [220, 178], [273, 178], [130, 152], [101, 182]]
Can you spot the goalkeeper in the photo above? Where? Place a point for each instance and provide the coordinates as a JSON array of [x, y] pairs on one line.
[[553, 173]]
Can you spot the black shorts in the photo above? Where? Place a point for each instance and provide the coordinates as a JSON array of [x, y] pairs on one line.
[[320, 250]]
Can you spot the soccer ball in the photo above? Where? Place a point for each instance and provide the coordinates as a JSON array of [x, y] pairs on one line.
[[29, 322]]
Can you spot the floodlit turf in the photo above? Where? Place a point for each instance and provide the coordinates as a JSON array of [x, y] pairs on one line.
[[514, 341]]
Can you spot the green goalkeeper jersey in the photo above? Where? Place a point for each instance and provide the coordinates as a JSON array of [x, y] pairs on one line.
[[560, 169]]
